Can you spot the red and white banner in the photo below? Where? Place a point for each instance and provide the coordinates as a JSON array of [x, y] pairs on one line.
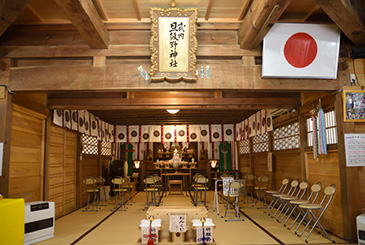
[[145, 133], [194, 133], [121, 133], [181, 133], [216, 132], [301, 51], [169, 133], [228, 132], [238, 131], [204, 133], [155, 133], [134, 133]]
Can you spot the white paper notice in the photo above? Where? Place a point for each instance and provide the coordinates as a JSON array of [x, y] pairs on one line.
[[1, 157], [355, 150]]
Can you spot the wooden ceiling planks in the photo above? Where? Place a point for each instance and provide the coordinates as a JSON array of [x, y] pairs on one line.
[[10, 11]]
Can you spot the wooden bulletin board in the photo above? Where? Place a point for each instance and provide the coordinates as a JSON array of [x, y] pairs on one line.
[[354, 105]]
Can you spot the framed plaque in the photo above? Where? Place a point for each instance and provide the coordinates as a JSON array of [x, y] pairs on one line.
[[354, 105], [173, 44]]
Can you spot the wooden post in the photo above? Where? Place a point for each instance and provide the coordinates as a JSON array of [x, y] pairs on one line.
[[349, 176], [6, 112], [47, 156], [78, 173], [303, 145]]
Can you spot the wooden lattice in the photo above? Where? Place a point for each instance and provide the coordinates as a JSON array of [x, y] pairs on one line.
[[106, 148], [244, 147], [287, 137], [89, 144], [331, 129], [260, 143]]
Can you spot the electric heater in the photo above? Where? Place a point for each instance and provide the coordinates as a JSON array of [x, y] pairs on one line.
[[39, 221]]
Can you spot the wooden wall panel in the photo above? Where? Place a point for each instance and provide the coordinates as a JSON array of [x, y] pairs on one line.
[[286, 164], [327, 171], [260, 166], [26, 155], [89, 167], [62, 169], [244, 165]]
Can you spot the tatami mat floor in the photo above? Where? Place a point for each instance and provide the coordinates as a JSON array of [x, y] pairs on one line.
[[122, 227]]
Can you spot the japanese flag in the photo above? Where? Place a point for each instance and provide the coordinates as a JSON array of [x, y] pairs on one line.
[[301, 51]]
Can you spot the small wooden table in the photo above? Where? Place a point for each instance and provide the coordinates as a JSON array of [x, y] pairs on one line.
[[184, 179]]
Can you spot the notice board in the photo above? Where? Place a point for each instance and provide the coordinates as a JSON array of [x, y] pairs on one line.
[[355, 150]]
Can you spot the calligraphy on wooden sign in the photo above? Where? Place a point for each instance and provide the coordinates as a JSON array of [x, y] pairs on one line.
[[173, 44]]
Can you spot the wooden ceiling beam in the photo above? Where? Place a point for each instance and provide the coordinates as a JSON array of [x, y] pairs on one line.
[[86, 20], [209, 8], [101, 10], [349, 16], [116, 51], [136, 9], [10, 11], [258, 20], [245, 7], [162, 103], [126, 77]]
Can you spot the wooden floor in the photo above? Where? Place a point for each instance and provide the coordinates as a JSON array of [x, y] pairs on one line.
[[107, 227]]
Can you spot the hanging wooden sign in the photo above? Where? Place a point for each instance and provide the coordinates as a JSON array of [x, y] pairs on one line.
[[173, 44]]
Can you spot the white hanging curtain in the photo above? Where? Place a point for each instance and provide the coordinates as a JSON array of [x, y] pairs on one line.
[[134, 134], [121, 133], [81, 121], [194, 133], [204, 133], [58, 117], [181, 133], [228, 132], [216, 132], [74, 120], [155, 133], [169, 133]]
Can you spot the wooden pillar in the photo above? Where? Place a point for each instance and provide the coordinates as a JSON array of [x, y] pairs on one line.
[[78, 172], [303, 145], [349, 176], [6, 112]]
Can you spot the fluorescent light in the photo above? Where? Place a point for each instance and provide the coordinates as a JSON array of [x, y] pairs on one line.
[[172, 111]]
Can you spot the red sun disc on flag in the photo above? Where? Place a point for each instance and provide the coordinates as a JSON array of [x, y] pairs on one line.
[[300, 50]]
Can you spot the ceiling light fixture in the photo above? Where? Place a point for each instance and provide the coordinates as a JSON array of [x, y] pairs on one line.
[[172, 111]]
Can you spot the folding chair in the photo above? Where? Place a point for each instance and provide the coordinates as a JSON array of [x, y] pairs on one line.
[[293, 187], [102, 190], [313, 209], [263, 185], [233, 191], [151, 190], [129, 187], [315, 189], [249, 185], [201, 187], [286, 199], [284, 184], [91, 189], [118, 188]]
